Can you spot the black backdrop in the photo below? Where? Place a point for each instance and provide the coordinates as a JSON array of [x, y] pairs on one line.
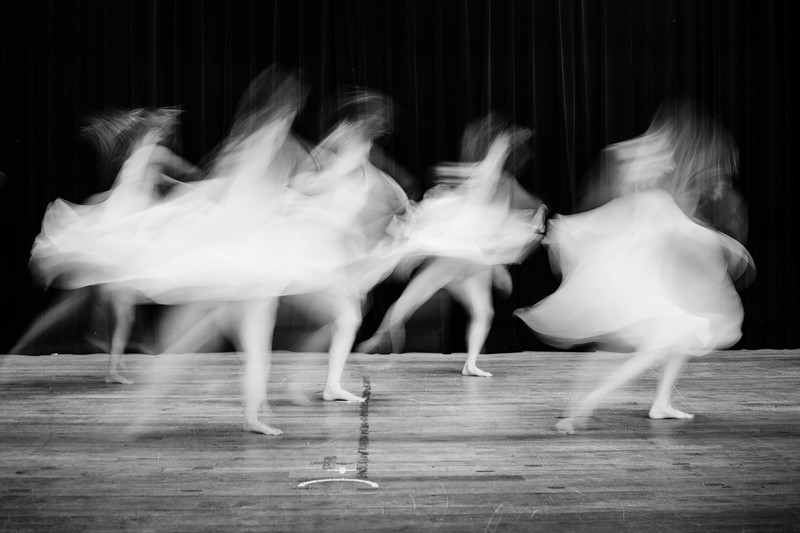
[[582, 74]]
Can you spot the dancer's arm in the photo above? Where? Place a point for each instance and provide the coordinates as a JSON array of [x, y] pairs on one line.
[[172, 164]]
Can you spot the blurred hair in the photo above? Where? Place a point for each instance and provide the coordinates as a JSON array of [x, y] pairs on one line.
[[114, 134], [704, 152], [368, 111], [481, 133], [273, 94]]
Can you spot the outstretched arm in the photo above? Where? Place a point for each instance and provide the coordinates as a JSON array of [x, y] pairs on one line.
[[169, 163]]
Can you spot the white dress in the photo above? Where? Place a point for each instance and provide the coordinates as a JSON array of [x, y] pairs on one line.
[[485, 219], [253, 230], [81, 245], [638, 273], [303, 244]]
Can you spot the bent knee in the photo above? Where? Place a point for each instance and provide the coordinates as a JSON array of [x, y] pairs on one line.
[[347, 321], [483, 316]]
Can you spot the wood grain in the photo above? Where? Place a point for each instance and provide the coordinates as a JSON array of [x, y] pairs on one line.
[[449, 453]]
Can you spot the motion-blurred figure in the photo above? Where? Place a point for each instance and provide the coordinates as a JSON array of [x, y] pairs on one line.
[[80, 244], [269, 223], [463, 234], [642, 272], [361, 204]]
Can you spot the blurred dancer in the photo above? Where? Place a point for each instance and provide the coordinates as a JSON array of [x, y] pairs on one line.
[[363, 204], [464, 232], [268, 223], [78, 244], [226, 242], [641, 272]]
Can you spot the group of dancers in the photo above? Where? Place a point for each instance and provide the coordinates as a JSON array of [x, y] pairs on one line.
[[271, 216]]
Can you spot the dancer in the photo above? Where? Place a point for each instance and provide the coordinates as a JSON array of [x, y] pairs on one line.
[[365, 204], [73, 247], [641, 272], [218, 240], [464, 232], [274, 228]]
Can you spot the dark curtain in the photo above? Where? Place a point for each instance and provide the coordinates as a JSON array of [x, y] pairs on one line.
[[582, 74]]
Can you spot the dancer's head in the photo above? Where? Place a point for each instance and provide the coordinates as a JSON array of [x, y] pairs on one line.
[[361, 117], [272, 96], [367, 113], [116, 134], [491, 133], [685, 151], [161, 124], [704, 153]]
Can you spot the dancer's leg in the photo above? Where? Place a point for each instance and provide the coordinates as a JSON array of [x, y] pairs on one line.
[[318, 316], [164, 369], [66, 306], [431, 277], [629, 370], [501, 279], [257, 322], [190, 328], [123, 306], [345, 327], [475, 293], [662, 404]]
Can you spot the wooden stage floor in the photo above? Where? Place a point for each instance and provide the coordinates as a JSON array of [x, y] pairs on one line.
[[447, 453]]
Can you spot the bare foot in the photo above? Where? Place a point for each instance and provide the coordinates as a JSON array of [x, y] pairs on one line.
[[256, 426], [472, 370], [330, 394], [566, 426], [660, 413], [116, 377]]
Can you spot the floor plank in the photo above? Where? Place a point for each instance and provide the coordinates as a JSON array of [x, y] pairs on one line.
[[448, 453]]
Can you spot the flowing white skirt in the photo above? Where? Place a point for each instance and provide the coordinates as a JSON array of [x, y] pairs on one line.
[[637, 273], [198, 247], [449, 224]]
